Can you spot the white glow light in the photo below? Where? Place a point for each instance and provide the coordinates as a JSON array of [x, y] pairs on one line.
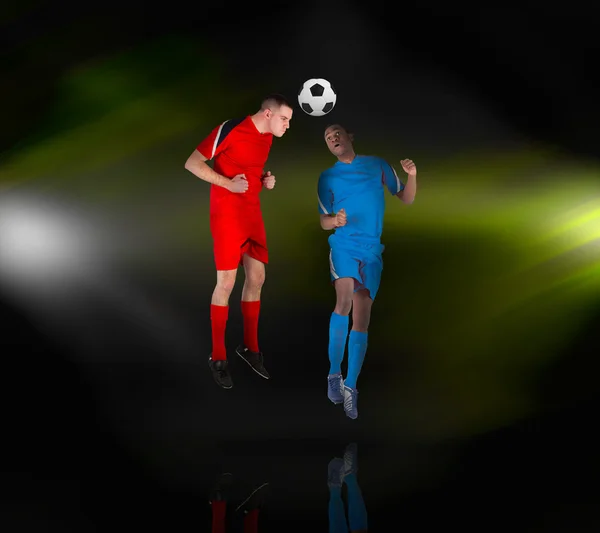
[[42, 244]]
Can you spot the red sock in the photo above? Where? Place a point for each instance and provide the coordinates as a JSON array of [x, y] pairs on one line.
[[251, 310], [251, 522], [218, 321], [218, 516]]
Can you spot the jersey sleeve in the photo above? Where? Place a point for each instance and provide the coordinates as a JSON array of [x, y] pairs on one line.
[[215, 142], [325, 195], [390, 178]]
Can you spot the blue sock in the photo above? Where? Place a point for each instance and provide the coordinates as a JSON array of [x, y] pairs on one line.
[[357, 510], [357, 348], [338, 333], [337, 511]]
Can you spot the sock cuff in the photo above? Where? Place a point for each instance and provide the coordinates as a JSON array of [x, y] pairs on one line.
[[250, 308], [339, 320], [219, 312], [358, 337]]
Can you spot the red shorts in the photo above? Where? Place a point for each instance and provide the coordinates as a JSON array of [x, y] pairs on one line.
[[234, 236]]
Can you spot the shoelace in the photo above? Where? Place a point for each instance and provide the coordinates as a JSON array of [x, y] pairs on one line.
[[335, 383]]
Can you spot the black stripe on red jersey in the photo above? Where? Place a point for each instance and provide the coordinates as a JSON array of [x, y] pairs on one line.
[[227, 128]]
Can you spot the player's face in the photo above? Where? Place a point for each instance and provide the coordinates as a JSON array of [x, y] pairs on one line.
[[279, 120], [338, 141]]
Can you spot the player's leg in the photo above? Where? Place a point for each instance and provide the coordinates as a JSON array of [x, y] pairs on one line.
[[227, 257], [338, 335], [255, 257], [362, 303], [255, 277], [358, 338], [343, 270], [254, 267], [219, 310]]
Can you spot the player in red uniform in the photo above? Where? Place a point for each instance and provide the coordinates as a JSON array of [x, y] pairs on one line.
[[239, 149]]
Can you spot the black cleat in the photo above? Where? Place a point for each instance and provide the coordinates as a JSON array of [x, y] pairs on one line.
[[255, 500], [221, 488], [220, 372], [254, 359]]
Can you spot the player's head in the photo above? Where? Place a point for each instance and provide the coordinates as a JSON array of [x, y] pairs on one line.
[[276, 112], [339, 141]]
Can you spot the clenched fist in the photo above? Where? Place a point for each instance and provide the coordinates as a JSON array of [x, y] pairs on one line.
[[340, 218], [238, 184], [268, 180], [409, 167]]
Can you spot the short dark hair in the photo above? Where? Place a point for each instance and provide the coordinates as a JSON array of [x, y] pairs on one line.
[[275, 100]]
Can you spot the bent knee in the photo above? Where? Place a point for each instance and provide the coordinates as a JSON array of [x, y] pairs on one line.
[[343, 306], [256, 279], [344, 290], [226, 281]]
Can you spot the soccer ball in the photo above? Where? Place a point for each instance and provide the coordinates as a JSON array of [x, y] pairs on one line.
[[316, 97]]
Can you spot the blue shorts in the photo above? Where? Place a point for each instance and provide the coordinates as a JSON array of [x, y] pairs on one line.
[[358, 260]]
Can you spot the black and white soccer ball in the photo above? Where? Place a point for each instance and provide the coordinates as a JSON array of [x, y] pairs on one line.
[[317, 97]]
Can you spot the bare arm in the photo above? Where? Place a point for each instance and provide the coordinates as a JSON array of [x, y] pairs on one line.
[[329, 222], [197, 165], [407, 195]]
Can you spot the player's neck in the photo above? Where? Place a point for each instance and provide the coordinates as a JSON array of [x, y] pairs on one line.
[[347, 158], [259, 123]]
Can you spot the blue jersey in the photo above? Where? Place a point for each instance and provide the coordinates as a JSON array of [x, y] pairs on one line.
[[358, 187]]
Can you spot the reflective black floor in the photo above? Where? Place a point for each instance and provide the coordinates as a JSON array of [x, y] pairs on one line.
[[134, 440]]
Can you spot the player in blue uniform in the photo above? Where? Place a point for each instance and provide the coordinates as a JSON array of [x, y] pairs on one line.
[[352, 203]]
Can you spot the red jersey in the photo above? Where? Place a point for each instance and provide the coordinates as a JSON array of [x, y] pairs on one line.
[[237, 147]]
